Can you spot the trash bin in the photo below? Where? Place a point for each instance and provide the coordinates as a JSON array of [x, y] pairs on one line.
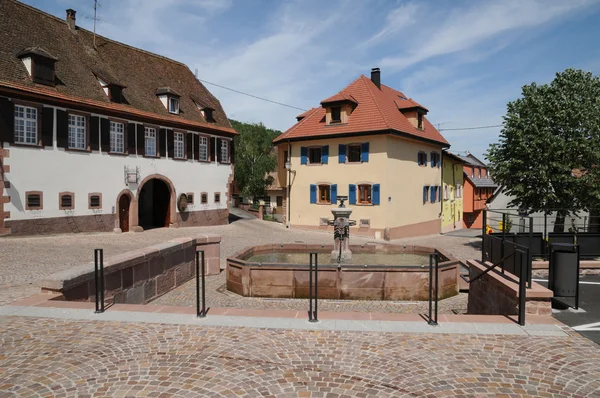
[[563, 278]]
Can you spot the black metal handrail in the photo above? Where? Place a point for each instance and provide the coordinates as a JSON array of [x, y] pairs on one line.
[[313, 315], [99, 279], [200, 274], [433, 263]]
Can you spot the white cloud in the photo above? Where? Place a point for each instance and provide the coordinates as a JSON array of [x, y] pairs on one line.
[[397, 20]]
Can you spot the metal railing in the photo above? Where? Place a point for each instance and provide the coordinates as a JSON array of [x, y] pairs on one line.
[[433, 299], [313, 315], [200, 275], [99, 279]]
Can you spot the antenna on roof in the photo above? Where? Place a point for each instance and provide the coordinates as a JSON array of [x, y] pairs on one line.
[[196, 72], [96, 4]]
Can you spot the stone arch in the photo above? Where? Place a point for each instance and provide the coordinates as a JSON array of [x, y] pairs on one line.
[[172, 199], [133, 210]]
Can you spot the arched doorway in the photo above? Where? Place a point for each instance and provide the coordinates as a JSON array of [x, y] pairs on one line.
[[124, 203], [153, 204]]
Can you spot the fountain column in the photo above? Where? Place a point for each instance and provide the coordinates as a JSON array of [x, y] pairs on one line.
[[341, 224]]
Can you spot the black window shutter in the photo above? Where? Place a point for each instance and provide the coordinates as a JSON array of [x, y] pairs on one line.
[[62, 129], [189, 144], [211, 150], [141, 142], [7, 121], [94, 133], [162, 147], [105, 135], [131, 138], [171, 143], [232, 151], [47, 126], [219, 158]]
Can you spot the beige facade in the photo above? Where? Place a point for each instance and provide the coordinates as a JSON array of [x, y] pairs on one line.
[[392, 163]]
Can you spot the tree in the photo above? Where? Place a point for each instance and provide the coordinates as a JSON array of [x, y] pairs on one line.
[[548, 132], [254, 157]]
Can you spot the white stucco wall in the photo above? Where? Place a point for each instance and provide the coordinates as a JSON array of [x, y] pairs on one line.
[[54, 170]]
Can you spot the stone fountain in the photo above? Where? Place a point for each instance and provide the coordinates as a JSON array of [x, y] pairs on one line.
[[341, 233]]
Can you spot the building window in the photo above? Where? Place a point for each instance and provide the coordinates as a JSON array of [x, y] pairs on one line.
[[204, 198], [77, 132], [472, 172], [435, 159], [203, 154], [336, 114], [364, 223], [34, 200], [364, 194], [95, 201], [26, 125], [446, 192], [425, 194], [217, 197], [173, 105], [190, 198], [314, 155], [224, 151], [325, 194], [150, 134], [66, 201], [354, 153], [422, 159], [179, 146], [420, 121], [117, 137]]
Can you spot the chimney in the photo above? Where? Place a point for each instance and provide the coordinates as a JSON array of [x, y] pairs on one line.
[[71, 18], [376, 77]]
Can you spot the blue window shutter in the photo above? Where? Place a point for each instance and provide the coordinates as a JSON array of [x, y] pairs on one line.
[[425, 189], [325, 154], [352, 194], [375, 195], [313, 193], [342, 153], [364, 152], [419, 158], [432, 195], [303, 155], [333, 193], [424, 159], [432, 159]]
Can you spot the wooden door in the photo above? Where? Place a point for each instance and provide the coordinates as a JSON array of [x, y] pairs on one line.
[[124, 213]]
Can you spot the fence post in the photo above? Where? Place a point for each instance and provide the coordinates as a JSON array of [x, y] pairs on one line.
[[313, 315], [200, 271], [99, 279], [503, 239], [483, 233], [545, 246], [522, 290], [530, 253], [433, 317]]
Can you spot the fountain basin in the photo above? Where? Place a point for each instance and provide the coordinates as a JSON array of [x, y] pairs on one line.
[[401, 272]]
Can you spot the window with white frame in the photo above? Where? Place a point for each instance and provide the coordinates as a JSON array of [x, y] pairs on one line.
[[203, 150], [77, 132], [150, 135], [117, 137], [25, 125], [179, 146], [173, 105], [224, 151]]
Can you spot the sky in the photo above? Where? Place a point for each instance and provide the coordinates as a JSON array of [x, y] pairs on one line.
[[462, 59]]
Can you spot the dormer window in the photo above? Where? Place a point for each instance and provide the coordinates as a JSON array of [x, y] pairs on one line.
[[112, 89], [169, 98], [420, 121], [336, 114], [39, 64], [206, 112], [174, 105]]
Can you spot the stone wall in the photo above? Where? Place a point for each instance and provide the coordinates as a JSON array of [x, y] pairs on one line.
[[139, 276], [498, 294]]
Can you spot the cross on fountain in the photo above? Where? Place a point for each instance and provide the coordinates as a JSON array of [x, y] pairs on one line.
[[341, 233]]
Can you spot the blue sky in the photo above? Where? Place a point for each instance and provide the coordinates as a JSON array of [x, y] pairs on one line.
[[463, 60]]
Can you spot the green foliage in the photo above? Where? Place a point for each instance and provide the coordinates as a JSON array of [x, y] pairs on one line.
[[254, 157], [551, 130]]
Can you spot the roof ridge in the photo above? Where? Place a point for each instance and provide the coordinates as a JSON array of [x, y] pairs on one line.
[[310, 112], [62, 21], [375, 102]]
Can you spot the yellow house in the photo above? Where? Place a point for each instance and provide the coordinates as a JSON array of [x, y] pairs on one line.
[[452, 176], [373, 144]]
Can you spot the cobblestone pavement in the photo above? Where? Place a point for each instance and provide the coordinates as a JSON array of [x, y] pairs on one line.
[[51, 357], [217, 295], [25, 261]]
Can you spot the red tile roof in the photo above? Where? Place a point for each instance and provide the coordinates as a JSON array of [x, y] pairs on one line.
[[377, 111], [339, 97]]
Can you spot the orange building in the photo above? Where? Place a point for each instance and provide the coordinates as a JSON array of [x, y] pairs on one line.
[[479, 188]]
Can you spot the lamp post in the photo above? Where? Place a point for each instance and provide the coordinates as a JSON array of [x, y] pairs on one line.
[[288, 167]]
